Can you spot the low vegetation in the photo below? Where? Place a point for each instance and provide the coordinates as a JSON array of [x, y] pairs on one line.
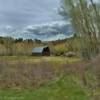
[[49, 78]]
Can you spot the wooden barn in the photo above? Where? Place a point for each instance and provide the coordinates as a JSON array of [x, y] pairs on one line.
[[41, 51]]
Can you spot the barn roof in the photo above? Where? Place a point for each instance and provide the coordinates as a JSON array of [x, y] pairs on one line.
[[39, 49]]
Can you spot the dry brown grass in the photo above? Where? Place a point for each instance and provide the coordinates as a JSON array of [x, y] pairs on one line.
[[32, 75], [25, 75]]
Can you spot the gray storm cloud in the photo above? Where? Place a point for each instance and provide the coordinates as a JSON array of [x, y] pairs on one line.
[[33, 19], [24, 12]]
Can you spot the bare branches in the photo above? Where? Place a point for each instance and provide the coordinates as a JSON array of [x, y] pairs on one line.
[[85, 20]]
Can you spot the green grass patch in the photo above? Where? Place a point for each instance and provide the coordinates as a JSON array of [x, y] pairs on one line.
[[38, 59], [62, 88]]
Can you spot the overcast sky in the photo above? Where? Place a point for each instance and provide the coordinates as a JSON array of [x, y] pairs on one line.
[[17, 15], [27, 12]]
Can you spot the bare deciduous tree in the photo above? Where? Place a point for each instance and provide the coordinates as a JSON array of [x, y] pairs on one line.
[[85, 20]]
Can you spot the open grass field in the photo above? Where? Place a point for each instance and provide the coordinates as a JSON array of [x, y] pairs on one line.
[[31, 59], [47, 78], [62, 88]]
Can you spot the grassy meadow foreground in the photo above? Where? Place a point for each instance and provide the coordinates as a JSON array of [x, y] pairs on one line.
[[58, 77], [48, 78]]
